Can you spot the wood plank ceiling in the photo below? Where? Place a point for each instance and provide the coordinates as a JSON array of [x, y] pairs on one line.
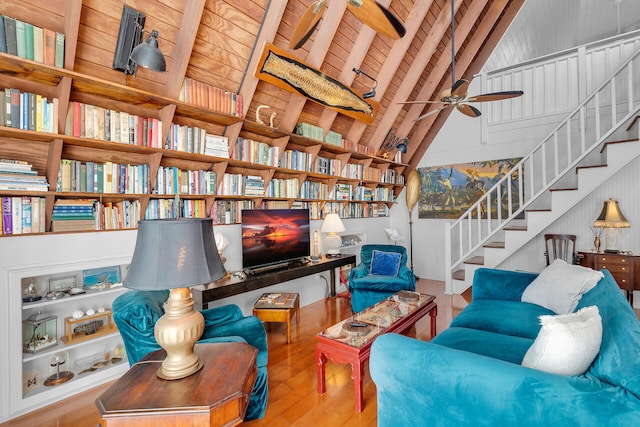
[[219, 43]]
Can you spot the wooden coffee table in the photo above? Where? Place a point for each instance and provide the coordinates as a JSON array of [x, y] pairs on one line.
[[350, 340]]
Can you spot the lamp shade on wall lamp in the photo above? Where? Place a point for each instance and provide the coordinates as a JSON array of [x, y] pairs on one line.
[[332, 225], [148, 54], [611, 218], [175, 254]]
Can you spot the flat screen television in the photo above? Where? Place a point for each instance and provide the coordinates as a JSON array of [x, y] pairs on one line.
[[274, 236]]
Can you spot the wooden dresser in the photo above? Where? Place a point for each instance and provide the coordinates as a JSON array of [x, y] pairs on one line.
[[624, 268]]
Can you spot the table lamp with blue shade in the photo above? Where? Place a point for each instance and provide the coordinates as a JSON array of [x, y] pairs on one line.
[[176, 254]]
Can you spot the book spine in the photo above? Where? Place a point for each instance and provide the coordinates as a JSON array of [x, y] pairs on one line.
[[38, 44], [58, 59], [20, 39], [49, 47], [7, 223], [28, 40], [16, 214], [3, 38], [10, 35], [26, 214]]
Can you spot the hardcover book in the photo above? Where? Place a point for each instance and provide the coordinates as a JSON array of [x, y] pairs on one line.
[[3, 38], [10, 35]]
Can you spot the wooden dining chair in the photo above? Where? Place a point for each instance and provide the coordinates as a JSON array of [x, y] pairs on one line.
[[560, 246]]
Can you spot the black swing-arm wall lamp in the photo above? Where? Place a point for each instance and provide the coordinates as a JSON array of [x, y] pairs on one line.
[[372, 92], [130, 51]]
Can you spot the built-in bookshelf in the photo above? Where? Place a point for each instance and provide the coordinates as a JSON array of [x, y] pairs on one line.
[[137, 154]]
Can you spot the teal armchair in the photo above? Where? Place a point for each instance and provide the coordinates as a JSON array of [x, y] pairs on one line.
[[136, 313], [369, 284]]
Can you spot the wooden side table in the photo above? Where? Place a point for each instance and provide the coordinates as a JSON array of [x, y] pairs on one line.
[[278, 307], [217, 395], [624, 268]]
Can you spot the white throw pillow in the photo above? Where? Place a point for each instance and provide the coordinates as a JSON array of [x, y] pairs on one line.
[[566, 343], [560, 286]]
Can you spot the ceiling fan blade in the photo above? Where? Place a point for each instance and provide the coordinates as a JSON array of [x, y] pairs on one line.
[[430, 113], [496, 96], [422, 102], [307, 24], [459, 88], [377, 17], [469, 110]]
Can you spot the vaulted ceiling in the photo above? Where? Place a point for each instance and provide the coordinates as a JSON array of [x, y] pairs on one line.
[[219, 42]]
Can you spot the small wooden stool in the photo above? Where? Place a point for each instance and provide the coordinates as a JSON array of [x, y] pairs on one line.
[[278, 307]]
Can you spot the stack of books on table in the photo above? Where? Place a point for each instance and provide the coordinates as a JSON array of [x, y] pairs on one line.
[[19, 175], [73, 215]]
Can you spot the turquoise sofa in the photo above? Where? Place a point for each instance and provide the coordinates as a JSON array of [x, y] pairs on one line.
[[136, 313], [470, 374]]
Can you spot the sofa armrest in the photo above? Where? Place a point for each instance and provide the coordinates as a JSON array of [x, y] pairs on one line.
[[250, 328], [360, 270], [491, 283], [421, 383]]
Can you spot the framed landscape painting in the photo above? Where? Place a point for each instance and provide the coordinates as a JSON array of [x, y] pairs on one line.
[[448, 191]]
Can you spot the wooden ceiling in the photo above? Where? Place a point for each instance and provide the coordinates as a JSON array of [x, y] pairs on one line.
[[219, 42]]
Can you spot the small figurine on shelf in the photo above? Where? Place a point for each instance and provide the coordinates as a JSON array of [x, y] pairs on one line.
[[31, 294], [59, 369]]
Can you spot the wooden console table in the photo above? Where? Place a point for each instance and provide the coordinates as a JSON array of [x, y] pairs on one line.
[[625, 269], [216, 395], [234, 285]]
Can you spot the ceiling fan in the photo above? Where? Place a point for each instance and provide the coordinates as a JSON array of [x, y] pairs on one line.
[[456, 96], [370, 12]]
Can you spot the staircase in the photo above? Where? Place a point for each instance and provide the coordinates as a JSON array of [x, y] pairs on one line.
[[588, 147]]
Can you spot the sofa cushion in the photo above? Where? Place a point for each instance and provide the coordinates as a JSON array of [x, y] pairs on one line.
[[385, 263], [620, 348], [515, 318], [567, 343], [498, 346], [560, 286]]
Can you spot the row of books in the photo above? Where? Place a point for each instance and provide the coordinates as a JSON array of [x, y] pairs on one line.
[[22, 215], [383, 194], [192, 139], [333, 138], [296, 160], [91, 121], [183, 208], [359, 148], [118, 215], [28, 111], [328, 166], [29, 41], [342, 192], [19, 176], [310, 131], [211, 97], [108, 177], [353, 170], [357, 210], [288, 188], [229, 211], [239, 185], [314, 190], [257, 152], [172, 180]]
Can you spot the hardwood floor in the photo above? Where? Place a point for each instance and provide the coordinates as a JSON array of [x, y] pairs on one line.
[[293, 397]]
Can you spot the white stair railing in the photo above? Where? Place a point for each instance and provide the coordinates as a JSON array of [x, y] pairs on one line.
[[612, 104]]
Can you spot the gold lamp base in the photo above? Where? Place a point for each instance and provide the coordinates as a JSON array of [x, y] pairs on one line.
[[177, 332]]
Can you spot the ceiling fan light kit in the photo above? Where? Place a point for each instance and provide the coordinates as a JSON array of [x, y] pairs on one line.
[[456, 96]]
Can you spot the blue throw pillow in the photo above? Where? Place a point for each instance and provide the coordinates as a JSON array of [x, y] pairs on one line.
[[385, 263]]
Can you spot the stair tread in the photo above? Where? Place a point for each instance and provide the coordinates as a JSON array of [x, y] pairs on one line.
[[479, 260], [458, 275], [499, 245], [590, 167], [633, 122], [516, 228]]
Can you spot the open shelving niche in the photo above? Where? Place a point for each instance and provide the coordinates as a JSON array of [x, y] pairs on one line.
[[82, 353]]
